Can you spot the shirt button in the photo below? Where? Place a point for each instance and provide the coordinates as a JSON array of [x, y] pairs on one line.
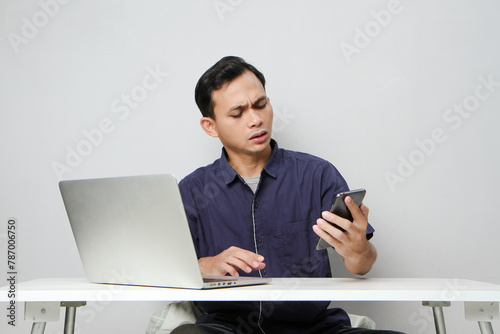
[[256, 205], [259, 240], [263, 271]]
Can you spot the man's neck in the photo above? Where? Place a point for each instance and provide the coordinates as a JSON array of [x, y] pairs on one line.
[[249, 165]]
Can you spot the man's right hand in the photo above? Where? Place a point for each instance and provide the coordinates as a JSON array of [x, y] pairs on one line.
[[230, 261]]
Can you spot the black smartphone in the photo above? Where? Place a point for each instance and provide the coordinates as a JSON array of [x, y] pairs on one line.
[[340, 209]]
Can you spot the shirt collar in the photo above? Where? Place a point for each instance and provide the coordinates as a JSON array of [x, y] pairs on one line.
[[271, 167]]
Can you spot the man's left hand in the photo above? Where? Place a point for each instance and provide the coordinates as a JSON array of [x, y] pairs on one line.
[[358, 253]]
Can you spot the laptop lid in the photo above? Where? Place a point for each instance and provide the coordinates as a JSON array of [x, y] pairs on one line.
[[133, 230]]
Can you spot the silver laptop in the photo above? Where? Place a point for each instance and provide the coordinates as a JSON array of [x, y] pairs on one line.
[[133, 230]]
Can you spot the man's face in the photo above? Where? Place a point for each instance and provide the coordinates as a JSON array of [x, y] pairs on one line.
[[243, 116]]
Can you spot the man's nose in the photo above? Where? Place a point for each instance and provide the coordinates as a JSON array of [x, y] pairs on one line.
[[255, 118]]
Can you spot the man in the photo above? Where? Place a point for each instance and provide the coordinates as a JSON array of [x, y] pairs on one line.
[[259, 210]]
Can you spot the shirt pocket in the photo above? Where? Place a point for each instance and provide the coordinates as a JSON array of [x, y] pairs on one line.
[[295, 244]]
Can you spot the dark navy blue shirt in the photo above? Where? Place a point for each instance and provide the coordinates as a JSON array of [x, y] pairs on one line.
[[275, 222]]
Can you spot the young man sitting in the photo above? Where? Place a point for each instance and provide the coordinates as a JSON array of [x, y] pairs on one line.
[[260, 209]]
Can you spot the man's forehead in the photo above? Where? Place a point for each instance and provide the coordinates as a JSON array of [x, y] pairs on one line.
[[245, 86]]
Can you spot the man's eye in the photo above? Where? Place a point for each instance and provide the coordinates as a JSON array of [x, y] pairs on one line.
[[237, 115], [261, 106]]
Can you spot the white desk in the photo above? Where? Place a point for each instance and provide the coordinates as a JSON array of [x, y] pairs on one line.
[[481, 299]]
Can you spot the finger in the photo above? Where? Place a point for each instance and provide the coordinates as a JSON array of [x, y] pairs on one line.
[[337, 220], [243, 266], [226, 268], [325, 236], [238, 264], [261, 266], [355, 211], [327, 231], [249, 258]]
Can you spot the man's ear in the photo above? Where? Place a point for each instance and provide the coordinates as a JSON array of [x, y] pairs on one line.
[[208, 124]]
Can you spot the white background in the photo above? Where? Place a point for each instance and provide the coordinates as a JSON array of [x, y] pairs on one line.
[[66, 66]]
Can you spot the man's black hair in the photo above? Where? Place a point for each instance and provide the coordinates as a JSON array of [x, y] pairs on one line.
[[223, 72]]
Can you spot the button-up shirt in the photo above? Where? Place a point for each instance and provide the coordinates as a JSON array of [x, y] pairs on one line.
[[276, 222]]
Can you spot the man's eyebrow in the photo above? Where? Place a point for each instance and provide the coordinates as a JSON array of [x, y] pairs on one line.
[[263, 97], [244, 106], [239, 106]]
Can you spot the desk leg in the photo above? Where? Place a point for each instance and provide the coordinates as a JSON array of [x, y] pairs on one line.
[[69, 319], [40, 313], [38, 327], [483, 313], [485, 327], [437, 310], [439, 319]]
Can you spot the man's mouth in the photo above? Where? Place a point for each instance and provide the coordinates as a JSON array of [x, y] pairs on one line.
[[258, 134]]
